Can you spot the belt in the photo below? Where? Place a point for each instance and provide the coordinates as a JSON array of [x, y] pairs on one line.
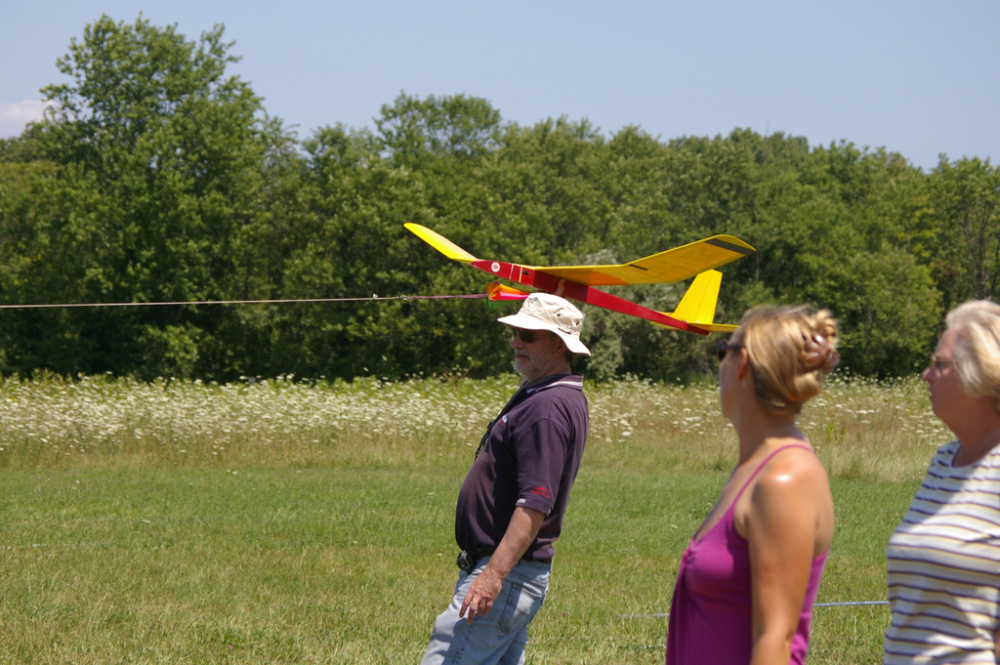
[[467, 560]]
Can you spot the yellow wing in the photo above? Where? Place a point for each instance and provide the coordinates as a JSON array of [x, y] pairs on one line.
[[440, 243], [673, 265]]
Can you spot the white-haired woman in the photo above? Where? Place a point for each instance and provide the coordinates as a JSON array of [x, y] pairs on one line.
[[748, 580], [944, 558]]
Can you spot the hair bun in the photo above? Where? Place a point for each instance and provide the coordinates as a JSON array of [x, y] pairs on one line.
[[819, 354], [791, 349]]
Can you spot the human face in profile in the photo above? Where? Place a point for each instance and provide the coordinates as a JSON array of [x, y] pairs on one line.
[[948, 396], [543, 355], [729, 353]]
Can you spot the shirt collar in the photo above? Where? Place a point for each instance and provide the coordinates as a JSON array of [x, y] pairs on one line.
[[570, 380]]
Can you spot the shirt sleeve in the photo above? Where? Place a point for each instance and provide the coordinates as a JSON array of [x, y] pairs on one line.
[[541, 455]]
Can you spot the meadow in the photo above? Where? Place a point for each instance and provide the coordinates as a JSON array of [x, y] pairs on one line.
[[287, 521]]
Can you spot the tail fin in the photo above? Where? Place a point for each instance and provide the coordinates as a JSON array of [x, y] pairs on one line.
[[697, 307]]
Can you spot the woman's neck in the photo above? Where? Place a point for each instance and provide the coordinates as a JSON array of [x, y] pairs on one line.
[[978, 434], [761, 430]]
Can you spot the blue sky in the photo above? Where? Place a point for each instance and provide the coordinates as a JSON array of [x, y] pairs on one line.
[[916, 77]]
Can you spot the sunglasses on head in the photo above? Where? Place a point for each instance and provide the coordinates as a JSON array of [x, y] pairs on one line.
[[526, 336], [723, 347]]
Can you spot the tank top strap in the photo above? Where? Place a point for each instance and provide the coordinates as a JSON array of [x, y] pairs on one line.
[[761, 466]]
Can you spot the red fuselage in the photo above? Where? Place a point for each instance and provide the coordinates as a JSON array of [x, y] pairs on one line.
[[580, 293]]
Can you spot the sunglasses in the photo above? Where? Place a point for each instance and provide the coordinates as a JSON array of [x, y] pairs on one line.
[[940, 364], [526, 336], [724, 347]]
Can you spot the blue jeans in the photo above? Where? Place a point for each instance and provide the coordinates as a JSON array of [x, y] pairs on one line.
[[498, 637]]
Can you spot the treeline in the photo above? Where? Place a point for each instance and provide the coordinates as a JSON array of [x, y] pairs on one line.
[[158, 177]]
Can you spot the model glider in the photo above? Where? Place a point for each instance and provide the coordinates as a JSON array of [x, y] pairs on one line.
[[695, 313]]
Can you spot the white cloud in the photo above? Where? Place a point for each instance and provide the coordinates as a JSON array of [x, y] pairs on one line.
[[14, 117]]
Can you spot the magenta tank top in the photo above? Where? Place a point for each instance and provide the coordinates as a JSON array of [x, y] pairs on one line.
[[711, 615]]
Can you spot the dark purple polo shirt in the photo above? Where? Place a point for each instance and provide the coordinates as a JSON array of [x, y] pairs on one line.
[[530, 459]]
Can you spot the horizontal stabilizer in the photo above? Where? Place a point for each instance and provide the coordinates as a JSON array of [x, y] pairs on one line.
[[718, 327]]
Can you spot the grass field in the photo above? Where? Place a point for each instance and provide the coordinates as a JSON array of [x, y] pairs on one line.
[[289, 522]]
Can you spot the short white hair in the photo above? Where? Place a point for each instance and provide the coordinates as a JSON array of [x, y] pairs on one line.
[[977, 349]]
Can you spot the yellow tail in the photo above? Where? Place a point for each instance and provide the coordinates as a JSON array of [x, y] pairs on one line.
[[698, 304]]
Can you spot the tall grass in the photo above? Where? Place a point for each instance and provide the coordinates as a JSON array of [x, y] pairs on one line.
[[860, 428]]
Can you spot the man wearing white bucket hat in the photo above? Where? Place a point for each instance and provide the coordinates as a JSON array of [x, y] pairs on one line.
[[511, 506]]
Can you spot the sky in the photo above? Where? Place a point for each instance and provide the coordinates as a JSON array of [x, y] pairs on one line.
[[916, 77]]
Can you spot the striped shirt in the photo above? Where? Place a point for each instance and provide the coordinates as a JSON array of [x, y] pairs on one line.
[[944, 566]]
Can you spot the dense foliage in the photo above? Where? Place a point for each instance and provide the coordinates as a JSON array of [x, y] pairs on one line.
[[157, 177]]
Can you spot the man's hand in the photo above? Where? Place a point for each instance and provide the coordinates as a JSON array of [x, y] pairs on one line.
[[482, 593], [521, 532]]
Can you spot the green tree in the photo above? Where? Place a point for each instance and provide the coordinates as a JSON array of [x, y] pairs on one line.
[[158, 177], [888, 308], [413, 130], [966, 201], [175, 152], [47, 212]]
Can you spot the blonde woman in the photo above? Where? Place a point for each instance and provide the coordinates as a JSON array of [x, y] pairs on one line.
[[944, 558], [750, 575]]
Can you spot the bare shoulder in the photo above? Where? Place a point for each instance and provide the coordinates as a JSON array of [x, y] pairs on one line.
[[794, 470], [790, 498]]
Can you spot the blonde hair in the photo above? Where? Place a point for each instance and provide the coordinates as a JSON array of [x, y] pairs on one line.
[[977, 348], [791, 350]]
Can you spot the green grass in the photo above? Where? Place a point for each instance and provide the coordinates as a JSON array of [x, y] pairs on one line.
[[344, 566], [322, 534]]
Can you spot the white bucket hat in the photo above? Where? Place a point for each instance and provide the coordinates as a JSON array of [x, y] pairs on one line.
[[544, 311]]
